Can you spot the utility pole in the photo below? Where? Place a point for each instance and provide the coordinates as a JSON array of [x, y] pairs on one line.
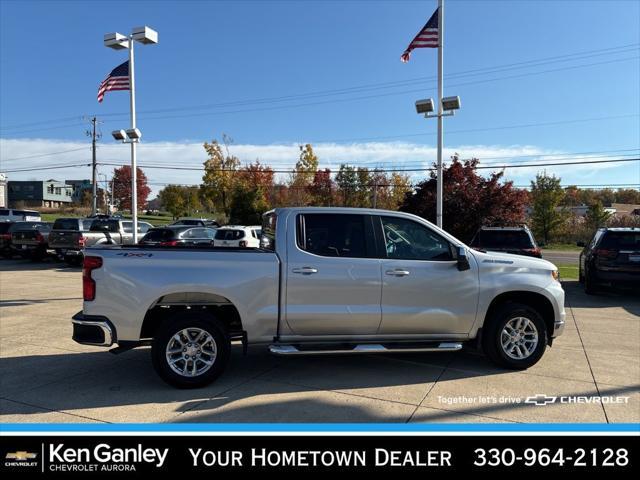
[[94, 181]]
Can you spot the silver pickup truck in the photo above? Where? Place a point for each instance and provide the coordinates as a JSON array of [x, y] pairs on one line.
[[324, 281], [110, 231]]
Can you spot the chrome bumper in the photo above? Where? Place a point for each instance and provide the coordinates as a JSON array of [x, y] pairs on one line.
[[91, 330]]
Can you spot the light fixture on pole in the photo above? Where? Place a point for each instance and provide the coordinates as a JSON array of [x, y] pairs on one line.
[[117, 41], [446, 107]]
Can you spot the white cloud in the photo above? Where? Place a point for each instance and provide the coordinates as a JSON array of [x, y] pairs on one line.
[[14, 155]]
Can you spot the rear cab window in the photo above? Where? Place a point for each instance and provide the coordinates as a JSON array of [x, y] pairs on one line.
[[104, 226], [66, 224]]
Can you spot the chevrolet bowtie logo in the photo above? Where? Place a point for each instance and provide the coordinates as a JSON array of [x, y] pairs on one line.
[[540, 399], [20, 455]]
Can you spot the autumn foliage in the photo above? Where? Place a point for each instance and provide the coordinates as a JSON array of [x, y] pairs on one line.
[[469, 200]]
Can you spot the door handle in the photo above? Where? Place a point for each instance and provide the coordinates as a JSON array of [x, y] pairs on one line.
[[398, 272], [305, 270]]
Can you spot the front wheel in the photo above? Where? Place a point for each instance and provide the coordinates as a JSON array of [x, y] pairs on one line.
[[190, 350], [515, 336]]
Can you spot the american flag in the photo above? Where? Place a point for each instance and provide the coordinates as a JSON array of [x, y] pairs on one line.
[[427, 37], [118, 79]]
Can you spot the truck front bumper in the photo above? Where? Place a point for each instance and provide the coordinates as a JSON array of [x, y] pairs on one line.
[[93, 330]]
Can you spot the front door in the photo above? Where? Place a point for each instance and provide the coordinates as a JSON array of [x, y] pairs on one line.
[[423, 292], [333, 278]]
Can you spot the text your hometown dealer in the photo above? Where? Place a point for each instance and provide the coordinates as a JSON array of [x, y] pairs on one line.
[[104, 453]]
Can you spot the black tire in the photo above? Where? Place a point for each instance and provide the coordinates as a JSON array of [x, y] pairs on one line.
[[589, 284], [73, 261], [164, 337], [492, 336]]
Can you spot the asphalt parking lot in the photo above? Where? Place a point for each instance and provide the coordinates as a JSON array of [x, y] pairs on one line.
[[46, 377]]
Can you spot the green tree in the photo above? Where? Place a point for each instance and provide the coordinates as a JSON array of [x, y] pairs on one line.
[[220, 174], [172, 200], [347, 185], [547, 195], [247, 205], [364, 190], [596, 216], [302, 177]]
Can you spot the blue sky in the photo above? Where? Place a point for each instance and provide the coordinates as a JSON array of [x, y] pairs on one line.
[[245, 54]]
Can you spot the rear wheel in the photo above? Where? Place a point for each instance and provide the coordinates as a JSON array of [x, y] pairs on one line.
[[515, 336], [190, 350], [589, 284]]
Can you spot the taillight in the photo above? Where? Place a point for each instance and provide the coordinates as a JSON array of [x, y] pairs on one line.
[[534, 251], [606, 254], [5, 236], [39, 237], [89, 284], [171, 243], [243, 243], [81, 241]]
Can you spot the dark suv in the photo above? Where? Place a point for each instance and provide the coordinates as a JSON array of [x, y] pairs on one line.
[[612, 257], [518, 240]]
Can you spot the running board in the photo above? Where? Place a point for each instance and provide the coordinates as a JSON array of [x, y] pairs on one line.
[[326, 349]]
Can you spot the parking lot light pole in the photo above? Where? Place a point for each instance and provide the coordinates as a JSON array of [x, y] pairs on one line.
[[146, 36]]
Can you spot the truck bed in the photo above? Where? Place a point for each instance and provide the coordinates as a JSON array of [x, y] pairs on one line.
[[134, 279]]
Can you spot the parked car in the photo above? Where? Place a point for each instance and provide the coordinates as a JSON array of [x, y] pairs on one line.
[[5, 239], [67, 238], [237, 237], [179, 236], [611, 258], [15, 215], [202, 222], [517, 240], [326, 280], [30, 239], [112, 231]]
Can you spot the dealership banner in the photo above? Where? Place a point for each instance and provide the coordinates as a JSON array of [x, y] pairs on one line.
[[50, 456]]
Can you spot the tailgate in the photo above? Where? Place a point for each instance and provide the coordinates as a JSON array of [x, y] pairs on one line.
[[64, 239], [27, 237]]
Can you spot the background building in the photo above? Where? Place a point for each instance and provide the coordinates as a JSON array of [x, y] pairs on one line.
[[4, 199], [37, 193]]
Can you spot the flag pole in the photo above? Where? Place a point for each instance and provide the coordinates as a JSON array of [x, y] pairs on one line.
[[440, 180], [134, 166]]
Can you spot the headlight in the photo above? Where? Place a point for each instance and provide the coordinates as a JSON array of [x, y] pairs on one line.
[[555, 275]]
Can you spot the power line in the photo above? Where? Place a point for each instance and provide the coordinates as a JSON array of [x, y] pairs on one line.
[[393, 170], [43, 154]]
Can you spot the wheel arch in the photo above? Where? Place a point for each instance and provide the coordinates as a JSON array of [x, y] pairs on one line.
[[535, 300], [171, 304]]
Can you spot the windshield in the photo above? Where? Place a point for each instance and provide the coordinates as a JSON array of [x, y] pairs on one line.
[[503, 239]]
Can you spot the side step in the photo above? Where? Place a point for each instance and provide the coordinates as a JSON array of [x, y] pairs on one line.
[[332, 349]]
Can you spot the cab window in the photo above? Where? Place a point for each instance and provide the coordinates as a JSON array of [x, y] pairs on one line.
[[334, 235], [408, 240]]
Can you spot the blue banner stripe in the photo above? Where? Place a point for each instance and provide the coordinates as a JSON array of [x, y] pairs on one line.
[[313, 427]]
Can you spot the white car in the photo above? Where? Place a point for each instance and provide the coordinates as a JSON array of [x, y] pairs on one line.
[[13, 215], [237, 236]]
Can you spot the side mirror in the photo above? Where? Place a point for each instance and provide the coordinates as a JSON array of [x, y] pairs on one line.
[[580, 244], [463, 260]]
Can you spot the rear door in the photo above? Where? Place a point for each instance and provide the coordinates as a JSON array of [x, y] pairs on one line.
[[423, 292], [333, 278]]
